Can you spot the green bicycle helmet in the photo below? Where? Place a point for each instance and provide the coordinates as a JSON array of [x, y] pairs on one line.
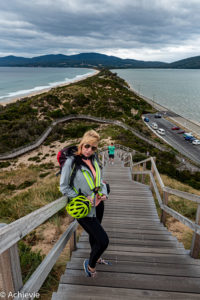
[[79, 207]]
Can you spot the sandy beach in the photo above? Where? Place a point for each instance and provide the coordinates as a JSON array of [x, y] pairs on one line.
[[47, 89]]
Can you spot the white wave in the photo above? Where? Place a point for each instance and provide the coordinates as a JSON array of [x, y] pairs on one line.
[[40, 88], [24, 92]]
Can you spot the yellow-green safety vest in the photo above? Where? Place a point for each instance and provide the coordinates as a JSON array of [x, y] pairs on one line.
[[90, 182]]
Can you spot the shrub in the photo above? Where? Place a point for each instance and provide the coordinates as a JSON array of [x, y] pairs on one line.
[[33, 158], [138, 157], [26, 184], [4, 164], [29, 260], [56, 114], [44, 174]]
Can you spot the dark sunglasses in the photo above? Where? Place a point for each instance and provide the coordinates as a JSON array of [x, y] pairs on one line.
[[87, 146]]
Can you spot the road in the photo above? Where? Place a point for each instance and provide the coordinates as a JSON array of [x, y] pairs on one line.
[[172, 137]]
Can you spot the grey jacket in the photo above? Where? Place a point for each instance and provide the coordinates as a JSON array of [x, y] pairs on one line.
[[79, 183]]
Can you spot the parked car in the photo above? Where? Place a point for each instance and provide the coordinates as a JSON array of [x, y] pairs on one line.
[[157, 115], [146, 119], [196, 142], [161, 131], [188, 137], [154, 125], [182, 131], [192, 139], [187, 134], [175, 128]]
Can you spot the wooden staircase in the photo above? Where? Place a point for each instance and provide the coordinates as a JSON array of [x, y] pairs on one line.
[[147, 261]]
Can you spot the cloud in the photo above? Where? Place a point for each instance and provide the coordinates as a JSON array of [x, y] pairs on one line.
[[146, 29]]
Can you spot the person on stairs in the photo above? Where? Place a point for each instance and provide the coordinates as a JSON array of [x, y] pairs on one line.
[[111, 153], [88, 182]]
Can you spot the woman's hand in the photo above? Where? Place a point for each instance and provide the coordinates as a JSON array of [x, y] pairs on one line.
[[91, 200], [101, 197]]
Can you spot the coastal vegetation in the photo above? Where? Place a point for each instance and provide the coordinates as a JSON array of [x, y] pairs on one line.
[[104, 95]]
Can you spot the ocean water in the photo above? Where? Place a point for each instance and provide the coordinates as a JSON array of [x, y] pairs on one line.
[[175, 89], [19, 81]]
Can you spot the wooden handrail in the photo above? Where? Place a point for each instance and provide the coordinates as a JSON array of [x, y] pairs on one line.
[[15, 231], [185, 195], [155, 188], [157, 173], [142, 161]]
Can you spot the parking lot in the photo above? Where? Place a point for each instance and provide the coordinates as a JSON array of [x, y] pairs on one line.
[[173, 138]]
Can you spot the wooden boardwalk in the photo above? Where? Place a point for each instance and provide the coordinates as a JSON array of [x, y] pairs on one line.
[[147, 261]]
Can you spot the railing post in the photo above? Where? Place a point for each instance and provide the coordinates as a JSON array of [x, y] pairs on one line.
[[152, 171], [195, 248], [72, 241], [144, 175], [138, 176], [10, 271], [163, 213]]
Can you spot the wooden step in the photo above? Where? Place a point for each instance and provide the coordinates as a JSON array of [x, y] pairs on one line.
[[85, 292], [154, 268], [168, 258], [134, 281], [136, 242], [139, 248]]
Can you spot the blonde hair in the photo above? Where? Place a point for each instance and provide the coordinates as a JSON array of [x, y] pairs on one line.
[[90, 137]]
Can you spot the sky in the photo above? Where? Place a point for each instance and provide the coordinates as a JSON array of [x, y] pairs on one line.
[[149, 30]]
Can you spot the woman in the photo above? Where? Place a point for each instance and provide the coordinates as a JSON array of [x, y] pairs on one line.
[[95, 191]]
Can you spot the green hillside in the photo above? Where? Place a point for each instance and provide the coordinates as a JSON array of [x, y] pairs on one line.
[[188, 63]]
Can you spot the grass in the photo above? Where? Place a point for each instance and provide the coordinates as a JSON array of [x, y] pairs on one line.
[[23, 203], [185, 207]]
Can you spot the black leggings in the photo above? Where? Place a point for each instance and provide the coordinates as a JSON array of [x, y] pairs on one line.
[[97, 236]]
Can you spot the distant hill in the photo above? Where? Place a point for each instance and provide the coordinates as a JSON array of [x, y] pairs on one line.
[[93, 60], [187, 63], [78, 60]]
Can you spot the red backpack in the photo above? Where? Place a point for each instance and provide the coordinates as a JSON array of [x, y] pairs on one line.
[[63, 155]]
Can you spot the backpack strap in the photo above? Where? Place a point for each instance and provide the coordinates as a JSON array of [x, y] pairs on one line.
[[73, 173], [75, 166]]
